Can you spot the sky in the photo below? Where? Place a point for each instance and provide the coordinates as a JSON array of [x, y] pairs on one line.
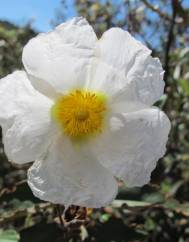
[[41, 12]]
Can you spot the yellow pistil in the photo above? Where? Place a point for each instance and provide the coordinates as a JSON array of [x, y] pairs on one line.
[[80, 113]]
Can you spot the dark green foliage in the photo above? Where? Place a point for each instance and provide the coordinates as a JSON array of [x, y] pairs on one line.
[[12, 40]]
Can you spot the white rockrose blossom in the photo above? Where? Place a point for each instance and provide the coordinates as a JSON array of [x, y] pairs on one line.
[[82, 111]]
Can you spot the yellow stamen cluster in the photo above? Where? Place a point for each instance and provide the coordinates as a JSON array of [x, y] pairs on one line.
[[80, 113]]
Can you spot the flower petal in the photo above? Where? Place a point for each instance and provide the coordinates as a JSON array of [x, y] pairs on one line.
[[143, 74], [104, 78], [61, 58], [24, 117], [43, 87], [71, 175], [133, 145]]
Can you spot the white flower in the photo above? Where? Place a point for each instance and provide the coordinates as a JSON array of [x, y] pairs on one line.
[[83, 112]]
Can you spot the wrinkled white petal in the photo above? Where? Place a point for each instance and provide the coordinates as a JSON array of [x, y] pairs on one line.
[[126, 107], [143, 75], [71, 175], [146, 78], [61, 57], [105, 79], [43, 87], [24, 117], [119, 49], [133, 145]]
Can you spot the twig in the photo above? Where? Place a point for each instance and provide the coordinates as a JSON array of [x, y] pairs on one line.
[[156, 10], [7, 190], [170, 39], [59, 213]]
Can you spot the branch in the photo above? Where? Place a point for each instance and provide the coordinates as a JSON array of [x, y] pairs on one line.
[[170, 39], [156, 10]]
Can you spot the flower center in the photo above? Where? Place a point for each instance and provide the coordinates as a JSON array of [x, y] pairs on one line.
[[80, 113]]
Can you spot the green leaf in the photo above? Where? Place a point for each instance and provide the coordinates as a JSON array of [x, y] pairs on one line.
[[185, 85], [129, 203], [9, 236], [184, 52], [150, 224], [105, 217], [155, 197]]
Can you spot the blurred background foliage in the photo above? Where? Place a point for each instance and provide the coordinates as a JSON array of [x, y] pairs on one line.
[[158, 212]]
